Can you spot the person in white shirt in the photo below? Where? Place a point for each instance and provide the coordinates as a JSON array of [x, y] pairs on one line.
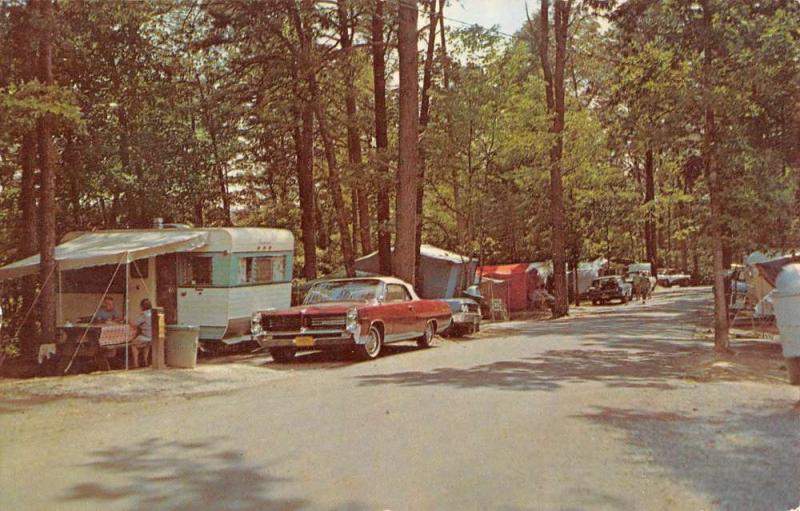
[[144, 333]]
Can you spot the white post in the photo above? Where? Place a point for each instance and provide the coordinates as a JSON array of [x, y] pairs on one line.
[[60, 301], [127, 307]]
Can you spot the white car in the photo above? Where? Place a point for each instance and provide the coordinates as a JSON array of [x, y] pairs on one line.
[[671, 277]]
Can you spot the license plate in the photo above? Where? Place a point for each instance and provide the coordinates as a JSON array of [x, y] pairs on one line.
[[304, 340]]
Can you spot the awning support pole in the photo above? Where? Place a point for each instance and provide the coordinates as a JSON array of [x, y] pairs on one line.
[[127, 302]]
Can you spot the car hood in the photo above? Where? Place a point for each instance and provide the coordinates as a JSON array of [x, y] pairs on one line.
[[318, 308]]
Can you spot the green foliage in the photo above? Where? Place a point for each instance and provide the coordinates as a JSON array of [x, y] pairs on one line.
[[184, 110]]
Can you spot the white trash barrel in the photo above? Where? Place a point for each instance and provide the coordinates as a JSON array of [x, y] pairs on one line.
[[182, 343], [786, 299]]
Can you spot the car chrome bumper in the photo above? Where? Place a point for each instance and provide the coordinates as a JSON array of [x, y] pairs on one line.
[[466, 318], [607, 296], [305, 341], [309, 339]]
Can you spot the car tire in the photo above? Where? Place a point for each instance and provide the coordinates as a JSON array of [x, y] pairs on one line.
[[623, 300], [426, 339], [371, 349], [282, 355]]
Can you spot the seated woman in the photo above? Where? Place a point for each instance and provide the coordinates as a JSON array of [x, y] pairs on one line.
[[144, 333]]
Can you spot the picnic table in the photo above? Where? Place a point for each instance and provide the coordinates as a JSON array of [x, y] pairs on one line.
[[91, 341]]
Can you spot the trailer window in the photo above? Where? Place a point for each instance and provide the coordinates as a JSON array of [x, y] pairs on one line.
[[195, 271], [139, 269], [262, 269]]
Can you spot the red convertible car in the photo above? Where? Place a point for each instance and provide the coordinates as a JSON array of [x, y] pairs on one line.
[[359, 313]]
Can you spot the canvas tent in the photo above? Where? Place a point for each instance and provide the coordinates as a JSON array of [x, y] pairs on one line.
[[493, 289], [444, 274], [522, 279], [760, 271], [587, 272]]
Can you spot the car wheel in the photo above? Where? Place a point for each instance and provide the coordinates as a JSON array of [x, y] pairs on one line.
[[372, 348], [282, 354], [426, 339], [624, 299]]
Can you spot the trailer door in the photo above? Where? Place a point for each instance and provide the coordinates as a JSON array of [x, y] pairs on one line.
[[167, 286]]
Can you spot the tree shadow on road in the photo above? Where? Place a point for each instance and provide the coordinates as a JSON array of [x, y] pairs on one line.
[[649, 347], [741, 460], [649, 364], [157, 474]]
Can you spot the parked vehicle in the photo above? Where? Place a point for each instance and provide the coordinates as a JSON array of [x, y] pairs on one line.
[[357, 313], [613, 287], [671, 277], [466, 317]]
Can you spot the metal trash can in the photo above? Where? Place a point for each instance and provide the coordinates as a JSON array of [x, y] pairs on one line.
[[181, 346], [786, 299]]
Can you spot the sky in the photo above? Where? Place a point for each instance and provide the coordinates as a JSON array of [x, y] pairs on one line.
[[509, 15]]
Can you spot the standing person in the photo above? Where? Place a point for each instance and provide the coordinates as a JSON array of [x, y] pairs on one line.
[[144, 332], [642, 286]]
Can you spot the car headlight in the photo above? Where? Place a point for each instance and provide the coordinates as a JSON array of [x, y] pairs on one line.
[[255, 324], [464, 307], [351, 324]]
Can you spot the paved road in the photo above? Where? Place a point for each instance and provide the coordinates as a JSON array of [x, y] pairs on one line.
[[590, 412]]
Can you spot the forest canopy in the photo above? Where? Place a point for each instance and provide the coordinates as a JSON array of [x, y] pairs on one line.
[[678, 140]]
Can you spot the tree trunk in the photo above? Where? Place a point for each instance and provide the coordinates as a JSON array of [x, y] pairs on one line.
[[47, 206], [307, 72], [219, 165], [132, 197], [354, 218], [424, 115], [650, 222], [222, 176], [304, 149], [334, 181], [455, 176], [29, 224], [406, 206], [361, 222], [381, 141], [29, 236], [721, 335], [554, 94]]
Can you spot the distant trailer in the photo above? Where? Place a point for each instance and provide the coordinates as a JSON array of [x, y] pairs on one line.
[[213, 278]]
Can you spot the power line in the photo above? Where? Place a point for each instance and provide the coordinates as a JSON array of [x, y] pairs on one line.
[[406, 3]]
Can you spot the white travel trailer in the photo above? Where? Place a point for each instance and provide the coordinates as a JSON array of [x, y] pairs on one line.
[[213, 278]]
